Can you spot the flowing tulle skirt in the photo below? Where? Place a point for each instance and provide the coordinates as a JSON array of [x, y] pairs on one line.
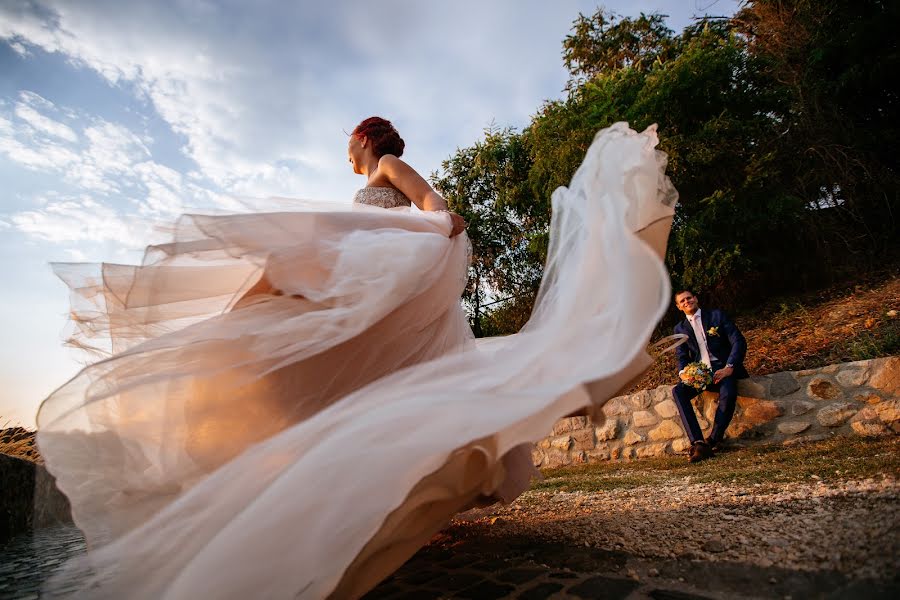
[[292, 403]]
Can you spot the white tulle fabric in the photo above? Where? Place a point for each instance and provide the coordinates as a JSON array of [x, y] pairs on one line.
[[294, 403]]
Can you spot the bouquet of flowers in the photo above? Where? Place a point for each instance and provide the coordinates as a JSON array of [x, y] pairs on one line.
[[697, 375]]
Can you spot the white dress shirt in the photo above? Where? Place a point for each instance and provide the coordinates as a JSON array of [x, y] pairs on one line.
[[697, 323]]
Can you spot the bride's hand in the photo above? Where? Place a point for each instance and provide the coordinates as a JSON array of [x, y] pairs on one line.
[[459, 224]]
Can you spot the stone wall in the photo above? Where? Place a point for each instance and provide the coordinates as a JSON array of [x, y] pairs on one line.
[[858, 398]]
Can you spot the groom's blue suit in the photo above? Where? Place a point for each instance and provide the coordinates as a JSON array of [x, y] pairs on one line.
[[726, 347]]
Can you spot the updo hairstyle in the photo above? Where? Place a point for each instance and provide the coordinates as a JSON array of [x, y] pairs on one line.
[[383, 136]]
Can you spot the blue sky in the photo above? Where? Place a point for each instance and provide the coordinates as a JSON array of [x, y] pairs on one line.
[[117, 115]]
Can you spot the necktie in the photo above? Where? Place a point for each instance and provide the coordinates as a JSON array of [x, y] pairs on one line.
[[697, 324]]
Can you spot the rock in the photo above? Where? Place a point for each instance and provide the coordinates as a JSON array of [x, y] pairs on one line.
[[17, 475], [793, 427], [823, 389], [555, 458], [608, 431], [632, 438], [836, 414], [757, 412], [869, 413], [621, 453], [584, 439], [667, 430], [869, 428], [782, 384], [544, 444], [853, 375], [569, 424], [666, 409], [753, 387], [600, 452], [661, 394], [651, 450], [867, 398], [643, 418], [714, 546], [888, 412], [30, 498], [707, 397], [886, 376], [640, 400], [51, 506], [806, 438], [616, 407], [801, 407], [681, 444], [563, 443], [537, 457], [737, 429]]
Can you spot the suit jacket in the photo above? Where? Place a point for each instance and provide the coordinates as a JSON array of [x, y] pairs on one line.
[[729, 346]]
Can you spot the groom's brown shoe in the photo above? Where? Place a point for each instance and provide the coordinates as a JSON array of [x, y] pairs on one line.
[[700, 451]]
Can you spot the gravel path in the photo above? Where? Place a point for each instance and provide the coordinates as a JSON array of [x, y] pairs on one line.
[[851, 527]]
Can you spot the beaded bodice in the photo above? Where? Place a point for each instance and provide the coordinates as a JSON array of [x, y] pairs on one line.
[[385, 197]]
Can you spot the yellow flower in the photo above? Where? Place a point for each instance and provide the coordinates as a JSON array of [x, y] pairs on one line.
[[712, 331]]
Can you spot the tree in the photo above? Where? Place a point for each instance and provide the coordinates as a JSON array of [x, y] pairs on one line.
[[836, 62], [778, 125], [604, 42], [486, 184]]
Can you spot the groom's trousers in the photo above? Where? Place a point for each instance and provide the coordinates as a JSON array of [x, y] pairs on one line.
[[683, 394]]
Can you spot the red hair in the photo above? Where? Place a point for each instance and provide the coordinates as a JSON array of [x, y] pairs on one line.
[[382, 134]]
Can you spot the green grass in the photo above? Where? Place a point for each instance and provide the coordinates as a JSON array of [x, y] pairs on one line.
[[830, 460], [883, 340]]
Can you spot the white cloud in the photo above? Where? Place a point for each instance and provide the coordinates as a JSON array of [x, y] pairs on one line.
[[123, 192], [76, 255], [81, 219], [19, 49], [33, 153], [43, 124]]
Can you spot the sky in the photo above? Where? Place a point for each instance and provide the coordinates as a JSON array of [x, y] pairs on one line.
[[118, 115]]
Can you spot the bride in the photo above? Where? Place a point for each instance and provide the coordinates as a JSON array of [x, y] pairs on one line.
[[292, 403]]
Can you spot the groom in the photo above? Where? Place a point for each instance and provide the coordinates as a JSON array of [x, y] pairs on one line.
[[715, 340]]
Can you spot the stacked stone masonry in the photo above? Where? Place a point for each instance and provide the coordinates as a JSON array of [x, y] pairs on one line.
[[857, 398]]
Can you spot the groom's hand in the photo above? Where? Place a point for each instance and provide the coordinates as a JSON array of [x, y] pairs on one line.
[[722, 374]]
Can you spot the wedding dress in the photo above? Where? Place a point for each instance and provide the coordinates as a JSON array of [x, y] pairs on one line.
[[292, 403]]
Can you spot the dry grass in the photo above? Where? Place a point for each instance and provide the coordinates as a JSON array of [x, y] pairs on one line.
[[837, 325], [19, 442]]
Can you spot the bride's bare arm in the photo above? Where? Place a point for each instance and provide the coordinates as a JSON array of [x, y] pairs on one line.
[[404, 178]]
